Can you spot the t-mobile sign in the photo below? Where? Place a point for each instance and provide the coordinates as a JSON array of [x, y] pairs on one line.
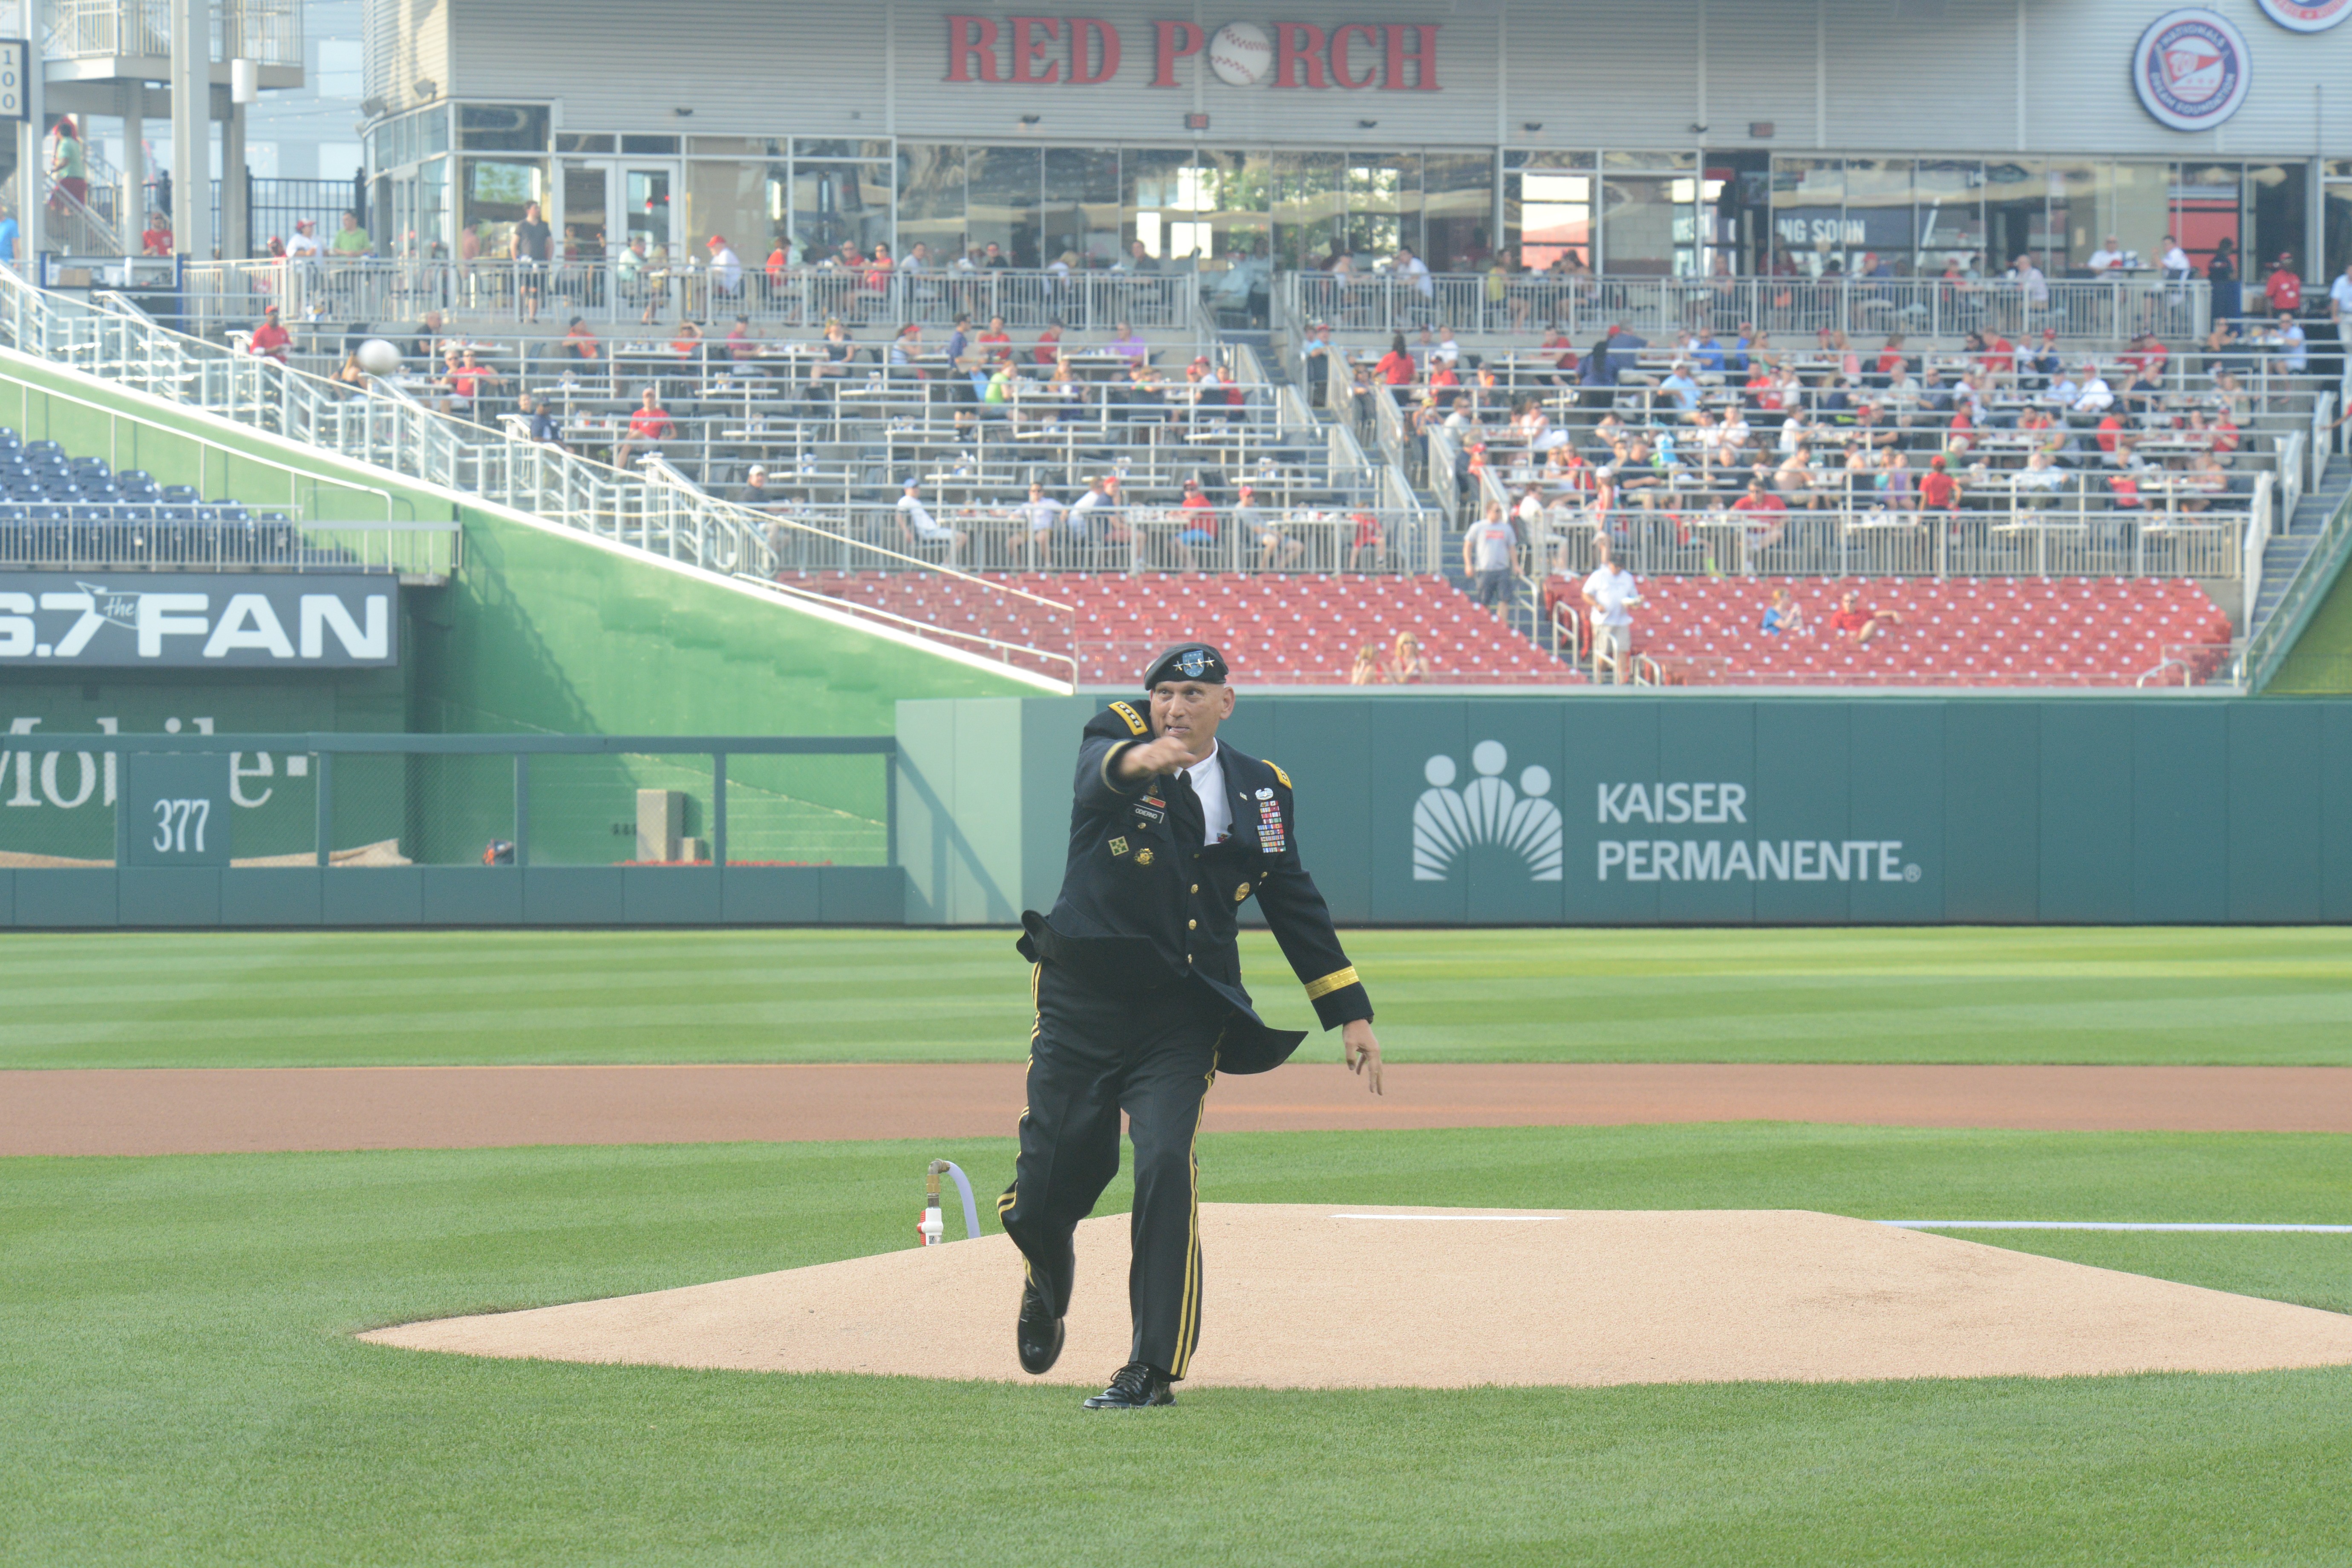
[[196, 620], [1087, 51]]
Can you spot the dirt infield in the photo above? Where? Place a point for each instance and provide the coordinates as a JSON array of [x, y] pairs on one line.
[[1307, 1296], [231, 1109]]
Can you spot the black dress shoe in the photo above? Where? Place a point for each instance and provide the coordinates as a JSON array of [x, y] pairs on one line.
[[1138, 1386], [1038, 1334]]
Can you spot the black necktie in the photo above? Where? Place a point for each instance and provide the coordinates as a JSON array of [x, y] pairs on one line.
[[1187, 806]]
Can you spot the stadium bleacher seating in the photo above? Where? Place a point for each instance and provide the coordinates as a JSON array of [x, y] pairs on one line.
[[1275, 630], [2062, 631], [62, 510]]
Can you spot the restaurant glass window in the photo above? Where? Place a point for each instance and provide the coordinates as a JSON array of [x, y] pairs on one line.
[[2135, 205], [2205, 210], [2336, 224], [2017, 211], [1808, 214], [649, 146], [502, 127], [740, 199], [2275, 193], [1151, 180], [1234, 197], [2072, 188], [931, 200], [1310, 202], [1949, 197], [1457, 210], [837, 202], [1001, 201], [426, 232], [1878, 216], [495, 193], [1384, 203], [1548, 206], [1081, 205]]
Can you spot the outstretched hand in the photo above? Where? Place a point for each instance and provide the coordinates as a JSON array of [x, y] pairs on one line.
[[1164, 756], [1362, 1052]]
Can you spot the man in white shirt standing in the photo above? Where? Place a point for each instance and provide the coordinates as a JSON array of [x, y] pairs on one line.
[[1611, 593], [1410, 267], [1486, 556], [921, 529]]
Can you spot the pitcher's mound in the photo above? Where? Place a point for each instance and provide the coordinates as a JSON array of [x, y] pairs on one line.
[[1303, 1295]]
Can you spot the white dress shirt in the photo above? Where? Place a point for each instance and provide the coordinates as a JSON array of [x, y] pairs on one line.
[[1208, 777]]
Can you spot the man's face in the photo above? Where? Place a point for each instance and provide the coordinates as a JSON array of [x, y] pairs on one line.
[[1191, 711]]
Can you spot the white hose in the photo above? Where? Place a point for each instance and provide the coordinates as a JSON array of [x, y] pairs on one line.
[[964, 1186]]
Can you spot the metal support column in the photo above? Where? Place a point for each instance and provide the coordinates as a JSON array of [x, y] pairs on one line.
[[523, 808], [130, 204], [31, 150], [324, 765], [718, 808], [192, 129], [236, 192]]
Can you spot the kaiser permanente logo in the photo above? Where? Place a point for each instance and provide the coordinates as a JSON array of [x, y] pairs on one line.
[[1719, 859]]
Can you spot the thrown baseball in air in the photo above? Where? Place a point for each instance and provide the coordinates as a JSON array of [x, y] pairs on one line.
[[378, 358], [1241, 54]]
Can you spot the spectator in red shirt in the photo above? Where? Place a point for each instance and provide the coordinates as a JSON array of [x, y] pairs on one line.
[[1768, 514], [1890, 359], [1048, 351], [2111, 431], [578, 342], [2283, 287], [467, 380], [1369, 539], [269, 340], [1938, 492], [650, 427], [1858, 625], [1396, 366], [1196, 525], [2151, 357], [157, 240], [996, 343]]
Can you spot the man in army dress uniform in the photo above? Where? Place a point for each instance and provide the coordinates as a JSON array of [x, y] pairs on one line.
[[1139, 1002]]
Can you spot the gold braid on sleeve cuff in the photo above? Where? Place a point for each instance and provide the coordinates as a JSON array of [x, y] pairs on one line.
[[1336, 979]]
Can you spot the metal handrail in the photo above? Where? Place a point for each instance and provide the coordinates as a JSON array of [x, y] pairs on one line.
[[852, 606], [2267, 648]]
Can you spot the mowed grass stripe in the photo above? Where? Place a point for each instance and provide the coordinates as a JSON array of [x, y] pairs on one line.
[[2157, 996], [178, 1384]]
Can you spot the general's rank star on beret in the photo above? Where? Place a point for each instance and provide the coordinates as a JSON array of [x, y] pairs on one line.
[[1187, 661]]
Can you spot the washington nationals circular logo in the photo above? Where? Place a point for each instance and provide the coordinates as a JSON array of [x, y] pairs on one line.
[[2307, 15], [2192, 69]]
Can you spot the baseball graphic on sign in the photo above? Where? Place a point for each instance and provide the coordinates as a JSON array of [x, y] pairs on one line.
[[1241, 54]]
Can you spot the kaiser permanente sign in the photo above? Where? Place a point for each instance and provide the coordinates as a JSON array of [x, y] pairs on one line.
[[1716, 859], [1085, 51], [146, 620]]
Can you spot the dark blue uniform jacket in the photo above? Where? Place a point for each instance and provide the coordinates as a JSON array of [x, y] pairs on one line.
[[1146, 904]]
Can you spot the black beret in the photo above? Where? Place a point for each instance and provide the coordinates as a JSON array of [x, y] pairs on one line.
[[1187, 661]]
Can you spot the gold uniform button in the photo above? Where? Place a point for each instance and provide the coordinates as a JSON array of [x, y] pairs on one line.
[[1192, 925], [1196, 886]]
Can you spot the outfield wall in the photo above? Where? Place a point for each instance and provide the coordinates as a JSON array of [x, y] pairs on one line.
[[1613, 809]]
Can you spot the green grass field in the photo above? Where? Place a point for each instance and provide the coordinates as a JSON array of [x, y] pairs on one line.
[[2152, 995], [178, 1382]]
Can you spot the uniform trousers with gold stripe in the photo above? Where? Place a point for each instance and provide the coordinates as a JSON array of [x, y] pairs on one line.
[[1095, 1053]]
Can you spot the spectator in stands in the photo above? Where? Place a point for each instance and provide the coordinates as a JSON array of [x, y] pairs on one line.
[[2094, 396], [756, 495], [1276, 548], [157, 239], [1036, 520], [540, 426], [2294, 357], [742, 345], [1048, 351], [1128, 345], [349, 376], [650, 427], [832, 363], [2106, 263], [468, 379], [1682, 390], [1396, 367], [2039, 484], [69, 163], [2207, 482], [1196, 526], [1093, 519], [1891, 486], [919, 529], [1487, 547], [270, 340], [1858, 626], [726, 270], [903, 351], [304, 247], [1415, 272], [1783, 617], [1939, 493], [1366, 669], [351, 242], [2339, 306], [1764, 515], [10, 233], [995, 343], [1611, 593], [2283, 287], [1369, 543], [1406, 665], [578, 342], [2221, 275]]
